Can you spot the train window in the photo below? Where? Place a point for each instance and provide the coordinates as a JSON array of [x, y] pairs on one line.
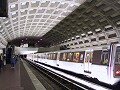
[[49, 56], [76, 56], [104, 57], [81, 56], [63, 56], [117, 57], [97, 57], [89, 57], [54, 56], [70, 56]]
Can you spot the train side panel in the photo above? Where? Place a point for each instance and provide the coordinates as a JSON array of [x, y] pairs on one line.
[[94, 63]]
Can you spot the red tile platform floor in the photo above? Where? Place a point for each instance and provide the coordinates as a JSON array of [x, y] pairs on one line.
[[15, 78]]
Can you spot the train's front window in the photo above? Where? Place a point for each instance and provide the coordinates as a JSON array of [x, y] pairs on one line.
[[104, 59], [117, 57]]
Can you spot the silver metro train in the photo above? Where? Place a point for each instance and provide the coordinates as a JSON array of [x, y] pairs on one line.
[[98, 62]]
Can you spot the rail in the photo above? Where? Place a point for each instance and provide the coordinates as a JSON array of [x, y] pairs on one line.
[[69, 83]]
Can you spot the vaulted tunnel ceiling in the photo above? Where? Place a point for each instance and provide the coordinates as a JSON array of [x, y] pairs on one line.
[[47, 19], [90, 17], [35, 18]]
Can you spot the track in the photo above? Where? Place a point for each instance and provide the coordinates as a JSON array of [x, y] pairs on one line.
[[46, 82], [54, 81]]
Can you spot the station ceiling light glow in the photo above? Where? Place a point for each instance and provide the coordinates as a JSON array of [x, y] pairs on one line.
[[77, 36], [118, 22], [97, 29], [89, 32], [83, 34]]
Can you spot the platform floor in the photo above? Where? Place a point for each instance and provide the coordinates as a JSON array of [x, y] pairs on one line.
[[16, 78]]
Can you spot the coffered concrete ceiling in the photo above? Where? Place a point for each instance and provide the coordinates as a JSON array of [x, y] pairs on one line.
[[33, 17], [59, 21]]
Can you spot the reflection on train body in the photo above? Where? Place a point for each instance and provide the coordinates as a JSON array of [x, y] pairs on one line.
[[101, 63]]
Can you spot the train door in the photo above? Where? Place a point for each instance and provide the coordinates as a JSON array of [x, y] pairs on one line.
[[88, 61], [117, 61]]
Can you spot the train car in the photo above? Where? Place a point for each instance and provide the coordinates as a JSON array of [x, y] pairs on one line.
[[102, 63]]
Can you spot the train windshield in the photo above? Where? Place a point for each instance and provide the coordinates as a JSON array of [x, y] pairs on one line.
[[117, 58], [117, 63]]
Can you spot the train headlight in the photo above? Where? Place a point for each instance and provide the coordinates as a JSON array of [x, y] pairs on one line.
[[117, 70], [117, 73]]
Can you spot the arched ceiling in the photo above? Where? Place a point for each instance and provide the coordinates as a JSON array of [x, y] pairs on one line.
[[47, 19], [92, 17], [33, 17]]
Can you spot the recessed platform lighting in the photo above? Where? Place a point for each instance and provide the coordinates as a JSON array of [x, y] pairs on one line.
[[98, 29], [83, 34], [77, 36]]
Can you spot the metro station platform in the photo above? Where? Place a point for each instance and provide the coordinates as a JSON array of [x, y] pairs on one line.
[[19, 78]]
